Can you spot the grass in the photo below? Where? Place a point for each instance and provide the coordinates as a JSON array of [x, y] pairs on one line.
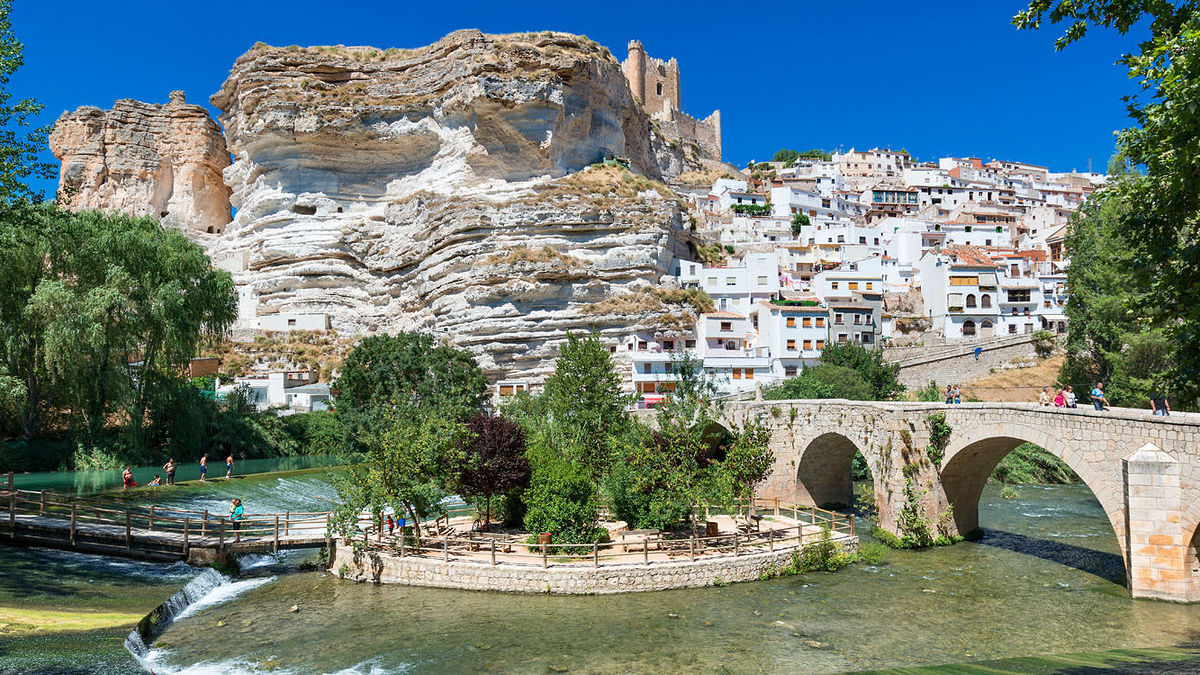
[[25, 620], [526, 254], [607, 180], [1015, 384]]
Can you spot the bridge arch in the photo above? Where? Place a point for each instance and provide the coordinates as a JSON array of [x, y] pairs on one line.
[[974, 453], [824, 474]]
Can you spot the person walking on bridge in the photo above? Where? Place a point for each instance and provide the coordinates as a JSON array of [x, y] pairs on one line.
[[1159, 403], [1044, 399], [1069, 395], [1098, 398]]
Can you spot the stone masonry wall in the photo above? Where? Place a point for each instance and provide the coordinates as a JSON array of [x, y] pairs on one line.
[[958, 364], [390, 568]]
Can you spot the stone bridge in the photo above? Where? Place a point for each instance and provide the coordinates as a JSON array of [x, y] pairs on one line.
[[1144, 470]]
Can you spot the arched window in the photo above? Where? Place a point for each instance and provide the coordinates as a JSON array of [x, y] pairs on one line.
[[985, 300], [971, 300], [968, 328]]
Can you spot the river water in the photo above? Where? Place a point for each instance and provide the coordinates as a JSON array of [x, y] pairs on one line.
[[1047, 579]]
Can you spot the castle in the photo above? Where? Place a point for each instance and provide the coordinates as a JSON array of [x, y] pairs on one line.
[[655, 83]]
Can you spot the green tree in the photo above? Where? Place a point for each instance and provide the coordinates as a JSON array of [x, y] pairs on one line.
[[584, 399], [748, 460], [870, 363], [825, 380], [99, 310], [403, 467], [1161, 195], [21, 144], [799, 221], [413, 370]]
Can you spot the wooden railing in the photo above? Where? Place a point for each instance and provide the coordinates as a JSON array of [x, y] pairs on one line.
[[163, 528], [496, 549]]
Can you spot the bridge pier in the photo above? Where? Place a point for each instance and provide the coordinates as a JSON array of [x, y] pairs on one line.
[[1155, 550]]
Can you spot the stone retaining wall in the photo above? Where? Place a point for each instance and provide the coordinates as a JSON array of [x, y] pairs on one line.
[[390, 568], [958, 364]]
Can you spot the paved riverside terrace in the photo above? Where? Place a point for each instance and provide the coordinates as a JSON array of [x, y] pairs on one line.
[[1144, 470], [148, 533]]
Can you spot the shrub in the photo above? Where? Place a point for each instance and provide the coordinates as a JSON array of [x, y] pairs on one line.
[[561, 500]]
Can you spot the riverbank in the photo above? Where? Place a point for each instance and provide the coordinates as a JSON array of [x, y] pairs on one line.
[[69, 612]]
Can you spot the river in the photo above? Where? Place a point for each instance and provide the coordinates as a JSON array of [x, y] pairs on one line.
[[1046, 579]]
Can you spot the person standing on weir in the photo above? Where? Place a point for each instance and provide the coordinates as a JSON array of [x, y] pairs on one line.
[[169, 468], [229, 466], [203, 466]]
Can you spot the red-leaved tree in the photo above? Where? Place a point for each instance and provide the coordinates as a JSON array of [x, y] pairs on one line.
[[493, 459]]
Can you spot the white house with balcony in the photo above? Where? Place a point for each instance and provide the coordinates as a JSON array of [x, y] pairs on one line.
[[736, 289], [961, 290], [726, 343]]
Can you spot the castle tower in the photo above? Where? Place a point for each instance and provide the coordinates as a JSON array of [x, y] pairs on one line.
[[635, 69]]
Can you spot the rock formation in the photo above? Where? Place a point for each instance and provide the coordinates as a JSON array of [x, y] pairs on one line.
[[444, 188], [158, 160]]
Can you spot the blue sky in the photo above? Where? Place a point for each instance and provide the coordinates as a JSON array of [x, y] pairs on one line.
[[936, 77]]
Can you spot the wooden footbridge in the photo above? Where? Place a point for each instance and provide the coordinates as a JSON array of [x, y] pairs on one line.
[[41, 518]]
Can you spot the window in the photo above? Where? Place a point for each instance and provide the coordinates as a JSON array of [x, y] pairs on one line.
[[985, 300], [862, 240], [1019, 296], [730, 346], [669, 345], [857, 319], [820, 322], [658, 88], [964, 281], [1012, 329], [970, 300], [749, 373], [642, 345], [1047, 303], [833, 285], [791, 345], [869, 285], [689, 344], [762, 280], [791, 322], [837, 319], [291, 322], [712, 281], [842, 338], [646, 368], [853, 285], [737, 373], [612, 349], [507, 390], [968, 328], [807, 322], [968, 229], [731, 281], [789, 371], [726, 326], [820, 344], [669, 367]]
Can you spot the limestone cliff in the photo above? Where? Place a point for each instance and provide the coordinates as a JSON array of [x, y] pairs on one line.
[[443, 188], [440, 189], [160, 160]]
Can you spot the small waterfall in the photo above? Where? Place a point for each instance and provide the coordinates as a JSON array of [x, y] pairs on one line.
[[209, 588]]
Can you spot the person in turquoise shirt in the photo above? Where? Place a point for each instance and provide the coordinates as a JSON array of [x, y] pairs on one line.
[[235, 515]]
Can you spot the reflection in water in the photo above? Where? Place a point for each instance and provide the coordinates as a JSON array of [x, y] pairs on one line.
[[1048, 580]]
